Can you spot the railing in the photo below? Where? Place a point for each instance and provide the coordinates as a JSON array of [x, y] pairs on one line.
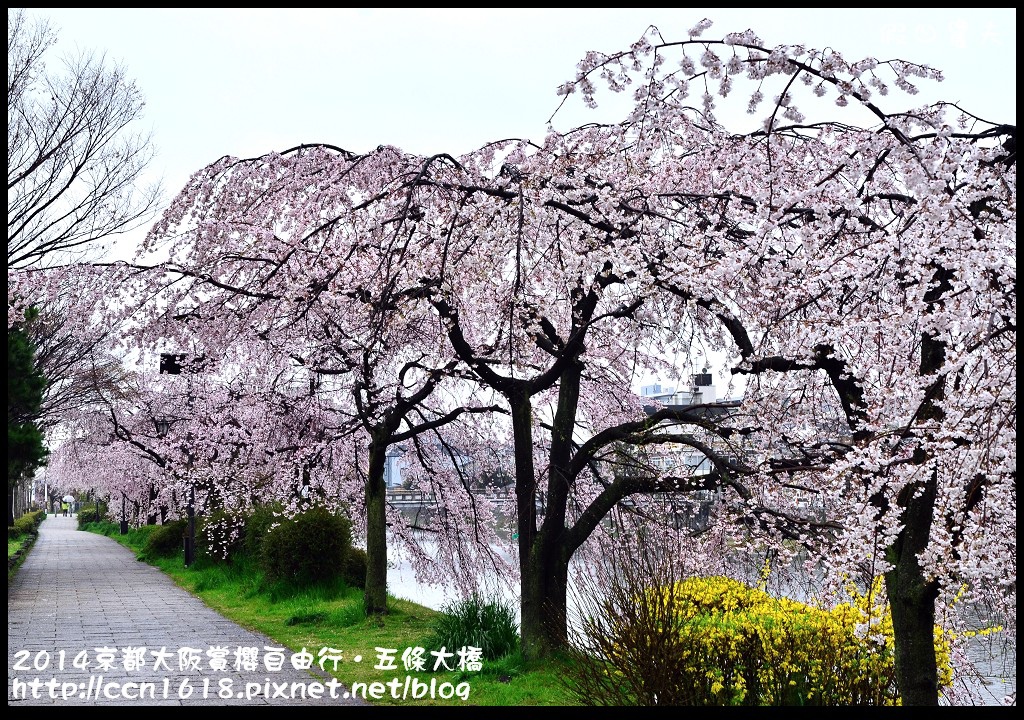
[[404, 498], [410, 497]]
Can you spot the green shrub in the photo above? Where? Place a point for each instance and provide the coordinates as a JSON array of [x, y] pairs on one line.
[[257, 525], [166, 540], [87, 513], [22, 526], [26, 524], [144, 531], [306, 549], [715, 641], [353, 569], [37, 517], [486, 624]]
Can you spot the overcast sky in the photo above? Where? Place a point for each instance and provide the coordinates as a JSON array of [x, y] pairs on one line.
[[244, 82]]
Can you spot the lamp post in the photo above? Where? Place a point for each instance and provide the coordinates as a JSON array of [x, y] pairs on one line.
[[190, 536], [124, 514], [162, 425], [171, 364]]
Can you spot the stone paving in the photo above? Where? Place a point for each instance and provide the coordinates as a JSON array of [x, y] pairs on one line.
[[79, 591]]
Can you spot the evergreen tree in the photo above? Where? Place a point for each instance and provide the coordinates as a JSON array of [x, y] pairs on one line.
[[26, 450]]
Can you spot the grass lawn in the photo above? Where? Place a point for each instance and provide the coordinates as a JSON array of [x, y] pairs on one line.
[[333, 617], [13, 546]]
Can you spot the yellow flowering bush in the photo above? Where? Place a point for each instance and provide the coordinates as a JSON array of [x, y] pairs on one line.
[[736, 645]]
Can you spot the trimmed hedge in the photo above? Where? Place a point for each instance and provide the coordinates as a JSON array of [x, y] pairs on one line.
[[258, 525], [308, 548], [313, 546], [26, 524], [91, 512], [353, 570]]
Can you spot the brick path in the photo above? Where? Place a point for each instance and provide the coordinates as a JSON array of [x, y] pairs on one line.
[[81, 591]]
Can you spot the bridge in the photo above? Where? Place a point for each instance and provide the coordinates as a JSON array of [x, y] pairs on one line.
[[418, 498]]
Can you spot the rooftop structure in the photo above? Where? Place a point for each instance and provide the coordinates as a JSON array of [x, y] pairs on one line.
[[700, 391]]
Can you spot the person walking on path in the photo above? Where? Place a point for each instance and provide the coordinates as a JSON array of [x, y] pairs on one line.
[[116, 631]]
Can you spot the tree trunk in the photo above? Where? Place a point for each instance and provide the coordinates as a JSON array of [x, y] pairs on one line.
[[375, 594], [151, 515], [544, 561], [912, 601], [11, 492], [531, 571], [911, 595], [544, 601]]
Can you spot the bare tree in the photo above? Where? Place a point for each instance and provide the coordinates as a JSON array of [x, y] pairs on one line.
[[74, 162], [75, 166], [79, 371]]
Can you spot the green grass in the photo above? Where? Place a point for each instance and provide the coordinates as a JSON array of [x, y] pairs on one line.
[[332, 616], [488, 624], [13, 546]]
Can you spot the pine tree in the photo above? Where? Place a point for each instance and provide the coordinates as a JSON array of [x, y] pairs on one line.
[[26, 450]]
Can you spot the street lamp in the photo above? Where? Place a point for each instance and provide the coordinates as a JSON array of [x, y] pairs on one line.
[[171, 364], [162, 425], [190, 537], [124, 514]]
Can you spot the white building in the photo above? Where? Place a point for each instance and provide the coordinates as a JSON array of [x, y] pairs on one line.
[[395, 464], [701, 391], [393, 468]]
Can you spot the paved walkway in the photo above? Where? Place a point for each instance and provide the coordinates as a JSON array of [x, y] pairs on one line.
[[78, 593]]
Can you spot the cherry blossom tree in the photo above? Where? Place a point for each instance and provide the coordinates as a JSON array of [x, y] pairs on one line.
[[223, 441], [864, 274], [850, 258], [353, 280], [302, 253], [544, 293]]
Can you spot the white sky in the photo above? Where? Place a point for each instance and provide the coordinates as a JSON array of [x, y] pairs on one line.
[[244, 82], [247, 81]]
